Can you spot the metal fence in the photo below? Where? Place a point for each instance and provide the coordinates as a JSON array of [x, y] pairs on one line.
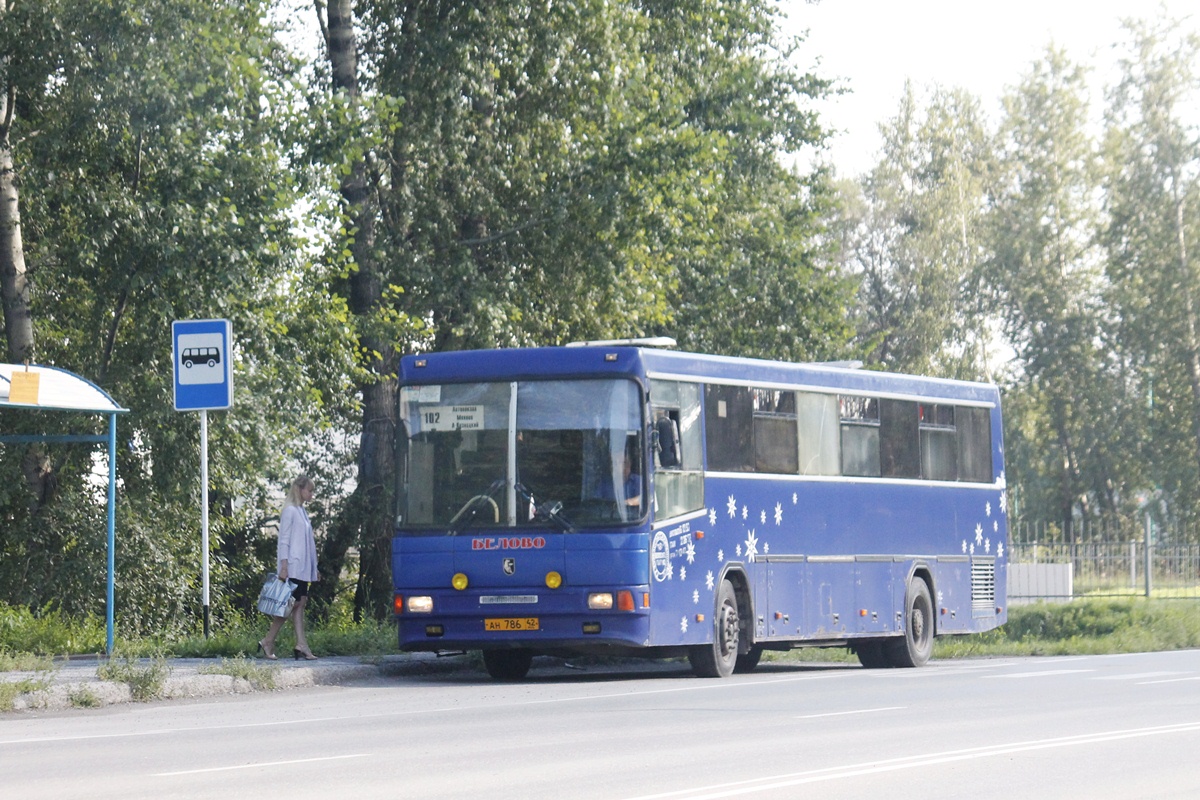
[[1106, 557]]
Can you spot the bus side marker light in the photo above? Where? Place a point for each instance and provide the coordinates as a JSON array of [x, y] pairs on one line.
[[645, 599], [699, 534], [943, 612], [420, 604], [699, 618], [625, 600], [553, 579], [591, 627], [459, 581], [600, 601], [862, 612], [778, 615]]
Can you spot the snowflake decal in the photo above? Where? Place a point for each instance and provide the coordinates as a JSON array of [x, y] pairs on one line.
[[683, 625], [1000, 550], [778, 514], [683, 573], [987, 545], [731, 507], [795, 498], [972, 549], [712, 516], [987, 509], [939, 597], [720, 558], [691, 551], [766, 549], [745, 512], [995, 526], [708, 580], [751, 545], [1003, 502], [670, 570], [738, 551], [762, 517], [696, 596], [964, 545], [978, 534]]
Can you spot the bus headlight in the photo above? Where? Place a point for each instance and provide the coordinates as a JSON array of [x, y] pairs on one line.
[[600, 600], [420, 605]]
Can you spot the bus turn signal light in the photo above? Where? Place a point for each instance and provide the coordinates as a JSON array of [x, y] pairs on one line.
[[459, 581], [625, 600], [397, 604]]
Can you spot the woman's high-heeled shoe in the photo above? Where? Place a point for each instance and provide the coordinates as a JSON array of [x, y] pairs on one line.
[[267, 652], [307, 654]]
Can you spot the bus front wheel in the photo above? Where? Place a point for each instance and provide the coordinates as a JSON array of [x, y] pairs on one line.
[[508, 665], [717, 659], [914, 648]]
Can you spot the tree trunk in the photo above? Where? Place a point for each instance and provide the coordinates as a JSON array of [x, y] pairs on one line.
[[14, 284], [370, 504]]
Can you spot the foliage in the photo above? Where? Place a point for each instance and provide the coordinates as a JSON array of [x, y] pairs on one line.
[[914, 232], [256, 674], [49, 632], [145, 680]]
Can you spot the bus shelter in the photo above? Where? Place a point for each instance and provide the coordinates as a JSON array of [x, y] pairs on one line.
[[42, 388]]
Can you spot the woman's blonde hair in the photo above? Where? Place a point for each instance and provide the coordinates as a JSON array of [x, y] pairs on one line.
[[301, 483]]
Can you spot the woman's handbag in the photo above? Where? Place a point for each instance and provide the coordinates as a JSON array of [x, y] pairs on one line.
[[275, 599]]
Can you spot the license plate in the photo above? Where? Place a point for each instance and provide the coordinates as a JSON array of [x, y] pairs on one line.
[[511, 624]]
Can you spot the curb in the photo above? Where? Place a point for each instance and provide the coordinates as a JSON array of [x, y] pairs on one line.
[[78, 686]]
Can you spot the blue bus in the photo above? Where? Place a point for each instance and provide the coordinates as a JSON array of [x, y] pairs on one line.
[[632, 500]]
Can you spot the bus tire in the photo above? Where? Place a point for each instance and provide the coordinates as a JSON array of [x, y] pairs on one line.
[[718, 658], [747, 661], [871, 654], [914, 648], [508, 665]]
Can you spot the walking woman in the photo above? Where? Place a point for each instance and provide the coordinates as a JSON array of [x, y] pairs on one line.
[[297, 565]]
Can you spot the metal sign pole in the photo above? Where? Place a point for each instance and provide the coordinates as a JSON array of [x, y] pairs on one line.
[[204, 511]]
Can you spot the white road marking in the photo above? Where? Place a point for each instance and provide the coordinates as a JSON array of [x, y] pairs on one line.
[[858, 711], [1042, 673], [258, 765], [787, 780], [1135, 675], [1169, 680]]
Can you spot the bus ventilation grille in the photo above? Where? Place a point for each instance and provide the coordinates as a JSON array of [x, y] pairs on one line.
[[983, 588]]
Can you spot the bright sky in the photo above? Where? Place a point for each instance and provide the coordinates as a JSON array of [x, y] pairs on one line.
[[983, 47]]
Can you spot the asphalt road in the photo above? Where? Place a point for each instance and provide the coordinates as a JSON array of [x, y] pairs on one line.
[[1081, 727]]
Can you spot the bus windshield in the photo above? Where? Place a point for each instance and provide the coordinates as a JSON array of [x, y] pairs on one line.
[[565, 454]]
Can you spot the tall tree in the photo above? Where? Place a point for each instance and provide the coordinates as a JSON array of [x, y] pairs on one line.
[[152, 145], [1046, 271], [919, 241], [532, 172], [1153, 156], [14, 280]]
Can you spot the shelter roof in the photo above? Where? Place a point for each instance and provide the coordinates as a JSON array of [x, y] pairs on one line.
[[57, 390]]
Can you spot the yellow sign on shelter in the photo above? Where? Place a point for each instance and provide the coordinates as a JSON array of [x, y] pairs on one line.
[[24, 388]]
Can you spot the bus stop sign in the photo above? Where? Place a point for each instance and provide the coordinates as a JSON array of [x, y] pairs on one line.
[[203, 377]]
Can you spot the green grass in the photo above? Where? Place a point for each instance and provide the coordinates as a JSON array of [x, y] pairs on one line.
[[260, 676], [1086, 626]]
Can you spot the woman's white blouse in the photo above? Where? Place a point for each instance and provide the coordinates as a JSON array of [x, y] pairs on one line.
[[296, 544]]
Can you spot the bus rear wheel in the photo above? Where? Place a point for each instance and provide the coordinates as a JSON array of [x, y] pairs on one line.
[[747, 661], [914, 648], [871, 654], [717, 660], [508, 665]]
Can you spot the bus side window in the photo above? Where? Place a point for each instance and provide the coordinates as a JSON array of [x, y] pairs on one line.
[[666, 433]]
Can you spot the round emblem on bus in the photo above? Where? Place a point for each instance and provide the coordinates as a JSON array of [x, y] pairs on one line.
[[660, 557]]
